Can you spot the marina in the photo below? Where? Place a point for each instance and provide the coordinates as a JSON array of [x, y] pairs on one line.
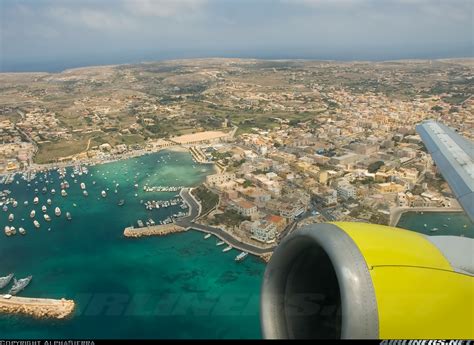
[[57, 258]]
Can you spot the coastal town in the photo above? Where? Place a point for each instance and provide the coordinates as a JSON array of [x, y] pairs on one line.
[[291, 145], [288, 146]]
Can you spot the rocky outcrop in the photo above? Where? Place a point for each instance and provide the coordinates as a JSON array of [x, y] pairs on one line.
[[41, 308], [156, 230]]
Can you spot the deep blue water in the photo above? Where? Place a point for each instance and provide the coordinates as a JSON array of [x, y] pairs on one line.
[[177, 286]]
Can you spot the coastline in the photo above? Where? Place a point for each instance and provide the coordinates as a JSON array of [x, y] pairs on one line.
[[41, 308], [397, 212]]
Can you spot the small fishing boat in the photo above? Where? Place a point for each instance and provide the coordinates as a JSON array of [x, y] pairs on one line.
[[226, 249]]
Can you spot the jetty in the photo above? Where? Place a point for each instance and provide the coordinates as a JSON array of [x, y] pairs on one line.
[[154, 230], [42, 308]]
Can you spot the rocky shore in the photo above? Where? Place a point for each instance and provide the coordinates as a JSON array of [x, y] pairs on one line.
[[41, 308]]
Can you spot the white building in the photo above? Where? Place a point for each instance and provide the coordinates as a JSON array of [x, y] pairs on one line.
[[346, 191], [261, 230]]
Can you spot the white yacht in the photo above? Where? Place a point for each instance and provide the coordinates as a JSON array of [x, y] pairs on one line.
[[11, 217], [32, 214], [22, 231], [48, 201], [36, 223], [103, 193], [43, 208], [83, 185], [57, 211], [36, 200], [226, 249], [63, 192], [47, 218]]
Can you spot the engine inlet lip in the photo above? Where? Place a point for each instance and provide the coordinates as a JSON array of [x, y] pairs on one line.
[[358, 301]]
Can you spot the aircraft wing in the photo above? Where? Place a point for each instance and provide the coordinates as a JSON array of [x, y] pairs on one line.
[[454, 157]]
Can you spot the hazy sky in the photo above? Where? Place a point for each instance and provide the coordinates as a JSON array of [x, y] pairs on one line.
[[52, 34]]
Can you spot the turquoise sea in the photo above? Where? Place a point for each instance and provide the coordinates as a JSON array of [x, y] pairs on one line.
[[177, 286], [449, 223]]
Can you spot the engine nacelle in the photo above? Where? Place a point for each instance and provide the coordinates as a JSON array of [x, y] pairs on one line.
[[358, 280]]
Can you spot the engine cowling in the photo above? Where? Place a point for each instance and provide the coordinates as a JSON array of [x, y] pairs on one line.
[[358, 280]]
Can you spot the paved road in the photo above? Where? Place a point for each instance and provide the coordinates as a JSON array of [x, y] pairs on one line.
[[187, 222]]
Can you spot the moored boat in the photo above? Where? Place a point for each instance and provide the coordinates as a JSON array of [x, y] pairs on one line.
[[83, 185], [49, 201], [241, 256], [57, 211], [68, 216], [22, 231], [63, 192], [44, 208], [36, 200], [11, 217], [220, 243], [36, 224], [7, 231], [4, 281], [226, 249], [32, 214], [85, 193], [103, 194], [19, 285], [207, 236], [47, 218]]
